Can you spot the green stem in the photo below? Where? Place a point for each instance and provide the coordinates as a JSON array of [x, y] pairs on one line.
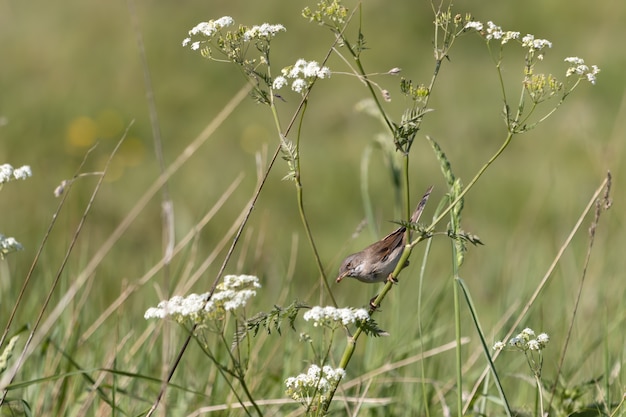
[[300, 198], [540, 394], [349, 350], [309, 236], [224, 371], [420, 293], [351, 344], [363, 76], [303, 217], [457, 334], [407, 196], [238, 373], [486, 348]]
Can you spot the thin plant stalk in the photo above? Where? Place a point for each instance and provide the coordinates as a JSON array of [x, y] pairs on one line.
[[486, 348], [544, 280], [457, 335], [10, 376]]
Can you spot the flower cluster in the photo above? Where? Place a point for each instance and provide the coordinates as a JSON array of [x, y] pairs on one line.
[[525, 341], [314, 385], [265, 31], [210, 35], [208, 30], [531, 346], [214, 39], [539, 87], [578, 67], [7, 173], [332, 317], [232, 293], [530, 42], [491, 31], [302, 73], [8, 245]]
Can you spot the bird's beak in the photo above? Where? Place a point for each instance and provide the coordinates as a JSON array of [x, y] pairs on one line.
[[343, 275]]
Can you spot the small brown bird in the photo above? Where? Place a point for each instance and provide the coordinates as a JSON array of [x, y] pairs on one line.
[[376, 262]]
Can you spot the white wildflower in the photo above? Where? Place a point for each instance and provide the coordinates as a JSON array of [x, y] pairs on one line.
[[533, 344], [574, 60], [530, 346], [233, 282], [332, 317], [541, 43], [530, 42], [279, 82], [527, 333], [299, 86], [516, 342], [264, 31], [509, 35], [7, 173], [313, 69], [543, 340], [474, 25], [8, 245], [207, 30], [499, 345], [313, 385], [22, 173], [303, 73], [526, 340], [578, 67], [233, 293], [493, 31]]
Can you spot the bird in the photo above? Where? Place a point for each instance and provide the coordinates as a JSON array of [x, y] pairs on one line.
[[377, 262]]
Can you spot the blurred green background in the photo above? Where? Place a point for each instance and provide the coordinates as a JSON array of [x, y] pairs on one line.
[[71, 76]]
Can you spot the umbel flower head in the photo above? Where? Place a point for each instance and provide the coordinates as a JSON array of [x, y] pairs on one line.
[[525, 341], [303, 73], [233, 293], [232, 43], [531, 346], [8, 245], [578, 67], [313, 386], [207, 30], [333, 317], [8, 173], [491, 31], [264, 31]]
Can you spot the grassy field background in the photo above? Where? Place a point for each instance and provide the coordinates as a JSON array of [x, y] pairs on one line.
[[72, 77]]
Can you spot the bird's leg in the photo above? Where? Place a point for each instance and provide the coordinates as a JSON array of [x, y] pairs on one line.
[[373, 306], [392, 279]]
